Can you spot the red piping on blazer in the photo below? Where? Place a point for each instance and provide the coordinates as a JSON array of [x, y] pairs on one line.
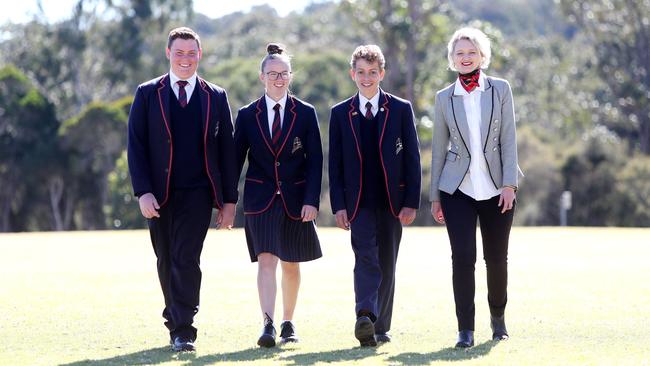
[[356, 141], [205, 144], [171, 143], [381, 155], [277, 178]]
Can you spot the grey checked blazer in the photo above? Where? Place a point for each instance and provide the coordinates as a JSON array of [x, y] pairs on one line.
[[450, 153]]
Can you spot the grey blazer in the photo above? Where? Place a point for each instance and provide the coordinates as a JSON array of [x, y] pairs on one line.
[[450, 153]]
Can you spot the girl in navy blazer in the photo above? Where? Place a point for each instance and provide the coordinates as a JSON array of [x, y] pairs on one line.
[[279, 135]]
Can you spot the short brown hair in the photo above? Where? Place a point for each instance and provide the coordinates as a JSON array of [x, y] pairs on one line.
[[370, 53], [183, 33]]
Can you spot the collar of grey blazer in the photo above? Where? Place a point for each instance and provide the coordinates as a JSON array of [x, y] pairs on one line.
[[460, 118]]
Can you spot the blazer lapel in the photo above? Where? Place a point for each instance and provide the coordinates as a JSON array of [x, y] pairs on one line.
[[204, 96], [261, 116], [163, 100], [288, 121], [383, 113], [460, 118], [354, 117], [487, 108]]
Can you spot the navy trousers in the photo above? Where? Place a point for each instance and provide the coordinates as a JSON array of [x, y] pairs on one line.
[[461, 213], [376, 235], [177, 238]]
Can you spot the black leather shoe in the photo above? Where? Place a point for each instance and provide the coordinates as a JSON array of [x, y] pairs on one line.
[[288, 332], [267, 339], [382, 338], [364, 330], [465, 339], [183, 345], [498, 325]]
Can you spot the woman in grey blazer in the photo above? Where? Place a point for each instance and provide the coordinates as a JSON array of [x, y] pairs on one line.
[[474, 174]]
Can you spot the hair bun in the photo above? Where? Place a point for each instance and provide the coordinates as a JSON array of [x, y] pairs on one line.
[[275, 48]]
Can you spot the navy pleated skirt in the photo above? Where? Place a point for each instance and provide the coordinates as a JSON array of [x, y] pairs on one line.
[[272, 231]]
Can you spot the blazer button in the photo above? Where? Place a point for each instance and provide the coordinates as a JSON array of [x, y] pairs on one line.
[[277, 163], [496, 121], [453, 130], [494, 139], [166, 170], [169, 141], [279, 183], [456, 147], [494, 149], [496, 129]]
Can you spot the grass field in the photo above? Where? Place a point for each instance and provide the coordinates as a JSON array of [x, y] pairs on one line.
[[577, 296]]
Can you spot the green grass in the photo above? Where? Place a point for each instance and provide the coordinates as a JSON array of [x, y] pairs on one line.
[[576, 296]]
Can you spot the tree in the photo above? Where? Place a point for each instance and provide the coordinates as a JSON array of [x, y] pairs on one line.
[[28, 150], [620, 30], [93, 140]]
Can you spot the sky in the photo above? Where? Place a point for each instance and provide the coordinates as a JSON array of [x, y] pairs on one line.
[[23, 10]]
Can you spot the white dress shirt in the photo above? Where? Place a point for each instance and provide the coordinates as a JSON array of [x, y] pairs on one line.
[[374, 101], [477, 182], [189, 88], [270, 103]]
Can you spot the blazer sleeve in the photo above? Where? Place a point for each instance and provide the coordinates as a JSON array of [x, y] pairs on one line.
[[439, 146], [337, 198], [137, 146], [412, 165], [508, 139], [229, 178], [314, 151], [241, 141]]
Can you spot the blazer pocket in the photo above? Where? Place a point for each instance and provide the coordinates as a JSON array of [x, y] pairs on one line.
[[254, 180], [451, 156], [301, 182]]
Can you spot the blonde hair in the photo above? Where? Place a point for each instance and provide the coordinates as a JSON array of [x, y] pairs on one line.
[[478, 39]]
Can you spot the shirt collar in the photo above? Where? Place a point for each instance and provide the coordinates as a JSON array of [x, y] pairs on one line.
[[374, 101], [270, 103], [173, 79], [459, 90]]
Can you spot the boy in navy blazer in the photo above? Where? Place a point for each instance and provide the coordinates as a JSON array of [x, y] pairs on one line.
[[374, 174], [180, 144]]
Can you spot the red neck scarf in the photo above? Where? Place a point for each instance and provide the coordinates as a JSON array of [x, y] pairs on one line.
[[469, 81]]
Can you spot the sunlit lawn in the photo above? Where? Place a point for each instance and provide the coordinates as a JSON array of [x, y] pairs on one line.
[[576, 296]]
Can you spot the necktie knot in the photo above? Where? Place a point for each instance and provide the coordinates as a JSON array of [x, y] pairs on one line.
[[276, 107], [368, 114], [182, 83]]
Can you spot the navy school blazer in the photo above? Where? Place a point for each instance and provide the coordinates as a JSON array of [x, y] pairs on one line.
[[295, 170], [399, 153], [150, 146]]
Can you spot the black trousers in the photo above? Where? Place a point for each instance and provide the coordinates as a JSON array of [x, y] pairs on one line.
[[461, 213], [177, 238], [376, 235]]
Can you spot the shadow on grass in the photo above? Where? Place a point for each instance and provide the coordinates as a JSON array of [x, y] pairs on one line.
[[346, 354], [151, 356], [445, 354], [160, 355]]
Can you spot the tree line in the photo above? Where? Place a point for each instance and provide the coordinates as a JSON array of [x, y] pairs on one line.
[[579, 72]]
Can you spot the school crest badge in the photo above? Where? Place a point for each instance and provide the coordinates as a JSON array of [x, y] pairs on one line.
[[297, 144]]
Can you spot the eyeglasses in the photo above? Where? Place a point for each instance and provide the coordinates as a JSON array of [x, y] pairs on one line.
[[272, 75]]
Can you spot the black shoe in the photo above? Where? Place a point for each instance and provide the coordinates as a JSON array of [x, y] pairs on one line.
[[180, 344], [382, 338], [267, 339], [465, 339], [364, 330], [498, 325], [288, 332]]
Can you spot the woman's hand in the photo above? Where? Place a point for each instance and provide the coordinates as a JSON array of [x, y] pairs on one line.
[[308, 213], [436, 212], [507, 199]]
